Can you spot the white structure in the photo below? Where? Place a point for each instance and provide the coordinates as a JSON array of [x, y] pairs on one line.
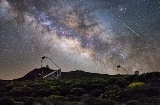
[[53, 75]]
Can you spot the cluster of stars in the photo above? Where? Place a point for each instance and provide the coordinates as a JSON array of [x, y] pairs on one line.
[[91, 35]]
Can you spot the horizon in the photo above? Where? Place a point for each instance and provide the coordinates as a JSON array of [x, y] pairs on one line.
[[118, 73]]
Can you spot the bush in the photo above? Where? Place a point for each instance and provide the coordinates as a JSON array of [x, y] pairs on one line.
[[96, 93], [94, 101], [74, 98], [136, 84], [150, 101], [78, 85], [77, 91], [95, 87], [29, 102], [133, 102], [131, 78], [138, 93], [112, 92], [55, 88], [23, 99], [97, 81], [64, 91], [120, 81], [42, 93], [6, 101], [112, 88], [20, 91], [58, 98]]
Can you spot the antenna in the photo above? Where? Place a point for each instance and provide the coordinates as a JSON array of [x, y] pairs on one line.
[[49, 59], [122, 68]]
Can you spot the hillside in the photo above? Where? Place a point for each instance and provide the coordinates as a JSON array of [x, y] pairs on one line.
[[78, 74], [82, 88], [32, 74]]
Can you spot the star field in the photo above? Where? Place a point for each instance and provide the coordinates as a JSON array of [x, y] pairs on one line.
[[89, 35]]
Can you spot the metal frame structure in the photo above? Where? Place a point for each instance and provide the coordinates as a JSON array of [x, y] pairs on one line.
[[50, 60], [122, 68]]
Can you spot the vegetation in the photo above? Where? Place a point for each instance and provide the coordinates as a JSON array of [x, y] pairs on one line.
[[136, 85], [91, 89]]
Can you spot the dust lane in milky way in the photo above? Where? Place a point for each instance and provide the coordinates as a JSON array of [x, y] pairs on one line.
[[90, 35]]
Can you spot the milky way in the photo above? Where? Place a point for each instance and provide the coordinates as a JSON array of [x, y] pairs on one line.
[[89, 35]]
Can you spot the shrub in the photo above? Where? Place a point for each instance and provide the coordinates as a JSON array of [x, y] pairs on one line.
[[42, 93], [112, 92], [94, 101], [112, 80], [132, 102], [20, 91], [6, 101], [96, 93], [74, 98], [131, 78], [95, 87], [58, 98], [64, 91], [139, 93], [112, 88], [55, 88], [29, 102], [97, 81], [23, 99], [120, 81], [78, 85], [136, 84], [77, 91], [150, 101], [67, 82]]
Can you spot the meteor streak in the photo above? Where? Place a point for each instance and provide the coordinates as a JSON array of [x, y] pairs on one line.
[[130, 28]]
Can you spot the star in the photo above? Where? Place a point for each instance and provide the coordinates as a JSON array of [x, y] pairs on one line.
[[90, 35]]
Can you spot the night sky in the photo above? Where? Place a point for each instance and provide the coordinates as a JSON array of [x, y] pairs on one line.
[[90, 35]]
